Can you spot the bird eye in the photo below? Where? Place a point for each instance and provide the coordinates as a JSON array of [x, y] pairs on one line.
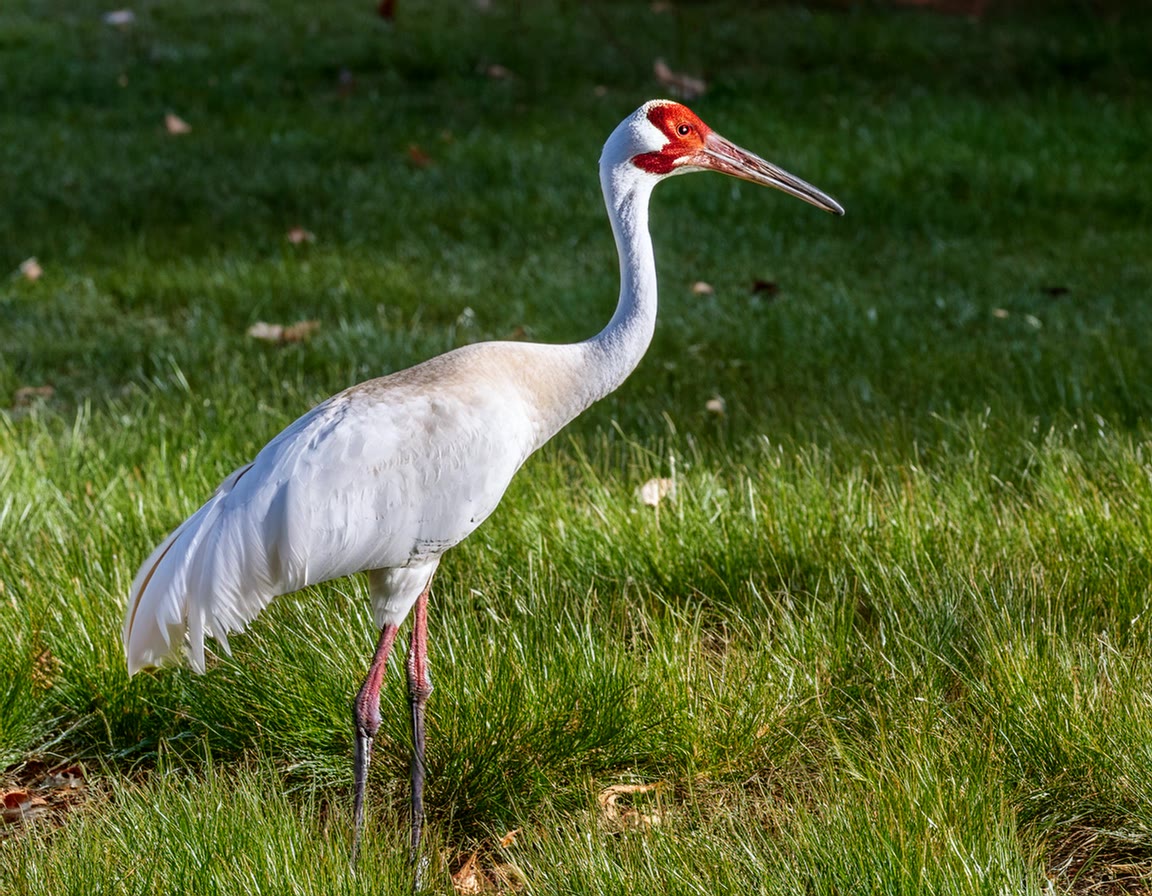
[[684, 130]]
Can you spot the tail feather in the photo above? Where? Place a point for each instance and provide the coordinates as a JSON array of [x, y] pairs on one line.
[[173, 593]]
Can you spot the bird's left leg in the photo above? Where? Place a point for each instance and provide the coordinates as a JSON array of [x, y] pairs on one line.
[[366, 713], [419, 688]]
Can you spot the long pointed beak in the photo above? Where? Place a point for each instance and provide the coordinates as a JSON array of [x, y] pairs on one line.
[[719, 154]]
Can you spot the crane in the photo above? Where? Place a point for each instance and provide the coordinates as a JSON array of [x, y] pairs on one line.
[[387, 475]]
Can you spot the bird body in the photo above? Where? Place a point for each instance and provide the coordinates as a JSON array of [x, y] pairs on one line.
[[386, 476]]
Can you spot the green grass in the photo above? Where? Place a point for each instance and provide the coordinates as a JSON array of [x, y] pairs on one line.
[[892, 636]]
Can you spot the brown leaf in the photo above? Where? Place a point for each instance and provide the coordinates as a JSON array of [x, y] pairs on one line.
[[466, 880], [509, 838], [298, 235], [701, 288], [418, 157], [618, 817], [175, 125], [654, 491], [45, 669], [30, 269], [297, 332], [21, 805], [25, 395], [687, 87]]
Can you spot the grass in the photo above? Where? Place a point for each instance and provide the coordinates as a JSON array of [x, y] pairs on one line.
[[892, 634]]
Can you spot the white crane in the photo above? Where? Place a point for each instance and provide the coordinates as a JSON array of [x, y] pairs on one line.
[[386, 476]]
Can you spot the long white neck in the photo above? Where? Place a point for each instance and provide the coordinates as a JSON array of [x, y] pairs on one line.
[[571, 377], [614, 352]]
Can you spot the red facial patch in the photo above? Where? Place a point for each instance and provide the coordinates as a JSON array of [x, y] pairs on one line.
[[670, 119]]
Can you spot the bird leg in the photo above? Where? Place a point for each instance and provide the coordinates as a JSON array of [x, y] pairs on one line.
[[366, 715], [419, 688]]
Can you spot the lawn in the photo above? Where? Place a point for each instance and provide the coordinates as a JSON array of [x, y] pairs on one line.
[[891, 631]]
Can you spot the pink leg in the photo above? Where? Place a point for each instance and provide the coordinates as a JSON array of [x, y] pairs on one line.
[[419, 688], [366, 713]]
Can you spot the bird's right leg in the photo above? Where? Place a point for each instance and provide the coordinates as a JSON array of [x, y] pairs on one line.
[[366, 714]]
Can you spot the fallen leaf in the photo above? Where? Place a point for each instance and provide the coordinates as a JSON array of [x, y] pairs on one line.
[[22, 805], [618, 817], [1000, 313], [497, 72], [298, 235], [30, 269], [765, 287], [687, 87], [297, 332], [45, 669], [654, 491], [466, 880], [715, 405], [25, 395], [509, 838], [418, 157], [701, 288], [120, 18], [175, 125]]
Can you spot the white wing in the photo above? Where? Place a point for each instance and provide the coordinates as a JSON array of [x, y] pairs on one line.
[[389, 474]]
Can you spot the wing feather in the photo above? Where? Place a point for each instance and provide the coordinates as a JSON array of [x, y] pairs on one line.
[[361, 482]]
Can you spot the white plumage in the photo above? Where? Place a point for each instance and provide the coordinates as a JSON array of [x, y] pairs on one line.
[[388, 475]]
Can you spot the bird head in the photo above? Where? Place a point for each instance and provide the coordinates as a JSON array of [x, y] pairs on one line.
[[663, 138]]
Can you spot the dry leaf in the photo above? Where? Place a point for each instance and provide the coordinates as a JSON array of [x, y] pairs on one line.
[[25, 395], [618, 817], [686, 87], [21, 805], [715, 405], [701, 288], [175, 125], [30, 269], [509, 838], [471, 878], [120, 18], [298, 235], [418, 157], [466, 880], [654, 491], [297, 332], [45, 669]]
